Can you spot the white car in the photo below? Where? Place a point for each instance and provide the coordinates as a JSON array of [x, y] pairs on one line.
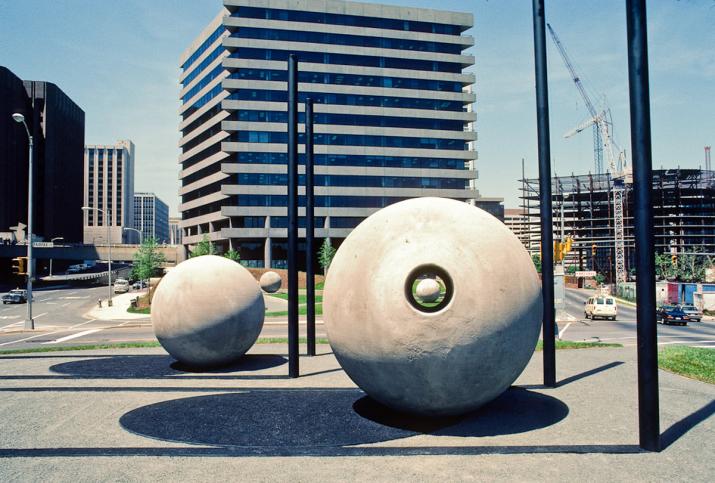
[[121, 286], [600, 306]]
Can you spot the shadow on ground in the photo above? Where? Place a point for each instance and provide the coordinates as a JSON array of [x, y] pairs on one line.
[[160, 366], [322, 417]]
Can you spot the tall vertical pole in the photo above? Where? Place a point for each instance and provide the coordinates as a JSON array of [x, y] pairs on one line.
[[309, 228], [29, 322], [293, 370], [108, 217], [648, 410], [547, 236]]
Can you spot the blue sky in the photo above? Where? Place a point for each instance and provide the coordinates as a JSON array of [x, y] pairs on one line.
[[119, 61]]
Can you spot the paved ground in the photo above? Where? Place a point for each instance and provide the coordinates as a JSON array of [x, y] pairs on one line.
[[130, 416]]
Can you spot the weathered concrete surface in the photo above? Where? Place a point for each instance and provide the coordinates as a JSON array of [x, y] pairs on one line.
[[207, 311], [427, 290], [270, 282], [87, 416], [446, 362]]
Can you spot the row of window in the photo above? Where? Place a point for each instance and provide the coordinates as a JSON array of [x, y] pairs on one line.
[[348, 59], [320, 201], [344, 39], [347, 20], [204, 45], [281, 137], [348, 99], [352, 160], [215, 72], [202, 101], [204, 63], [354, 120], [273, 179], [348, 79]]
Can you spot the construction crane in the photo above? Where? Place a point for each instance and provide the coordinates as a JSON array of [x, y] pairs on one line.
[[603, 141]]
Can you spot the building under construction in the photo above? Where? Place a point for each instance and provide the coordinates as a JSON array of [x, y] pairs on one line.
[[583, 208]]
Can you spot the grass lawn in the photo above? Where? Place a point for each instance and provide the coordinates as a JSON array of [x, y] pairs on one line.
[[144, 310], [132, 345], [302, 298], [693, 362], [302, 310], [567, 344]]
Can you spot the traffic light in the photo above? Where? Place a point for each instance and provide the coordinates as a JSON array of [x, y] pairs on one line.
[[674, 259], [19, 266], [593, 250], [558, 251], [567, 246]]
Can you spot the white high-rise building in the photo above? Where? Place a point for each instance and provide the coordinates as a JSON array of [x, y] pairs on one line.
[[109, 187]]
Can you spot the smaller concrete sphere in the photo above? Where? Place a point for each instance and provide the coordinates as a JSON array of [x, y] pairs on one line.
[[427, 290], [270, 282], [208, 311]]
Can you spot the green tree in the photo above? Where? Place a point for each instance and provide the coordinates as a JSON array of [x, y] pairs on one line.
[[326, 254], [691, 267], [599, 278], [572, 269], [536, 258], [147, 260], [664, 266], [204, 247], [234, 255]]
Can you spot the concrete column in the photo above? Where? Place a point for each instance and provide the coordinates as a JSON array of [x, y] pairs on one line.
[[267, 253]]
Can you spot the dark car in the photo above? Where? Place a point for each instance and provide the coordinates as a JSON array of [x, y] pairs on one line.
[[17, 296], [692, 312], [672, 314]]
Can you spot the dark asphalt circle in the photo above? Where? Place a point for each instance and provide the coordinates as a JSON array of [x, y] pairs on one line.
[[325, 417]]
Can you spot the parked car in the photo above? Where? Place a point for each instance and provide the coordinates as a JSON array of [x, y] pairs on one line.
[[692, 312], [671, 314], [121, 286], [600, 306], [16, 296]]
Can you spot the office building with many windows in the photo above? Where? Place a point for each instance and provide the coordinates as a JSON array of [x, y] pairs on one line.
[[393, 117], [109, 187], [151, 217], [174, 230]]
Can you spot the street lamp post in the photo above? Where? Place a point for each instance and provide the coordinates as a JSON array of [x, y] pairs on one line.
[[29, 323], [53, 243], [107, 218]]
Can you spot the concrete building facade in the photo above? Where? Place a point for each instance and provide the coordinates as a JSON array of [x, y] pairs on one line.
[[175, 230], [393, 117], [109, 186], [56, 124], [151, 217]]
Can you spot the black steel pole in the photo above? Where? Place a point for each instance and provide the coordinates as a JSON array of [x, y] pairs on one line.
[[648, 410], [293, 369], [309, 228], [547, 236]]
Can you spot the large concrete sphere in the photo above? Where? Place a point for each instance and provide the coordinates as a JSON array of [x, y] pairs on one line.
[[270, 282], [465, 351], [428, 290], [208, 311]]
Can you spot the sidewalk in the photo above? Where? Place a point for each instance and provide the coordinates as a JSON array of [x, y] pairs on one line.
[[118, 310], [129, 415]]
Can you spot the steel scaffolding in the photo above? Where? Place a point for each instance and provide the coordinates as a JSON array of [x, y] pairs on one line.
[[684, 206]]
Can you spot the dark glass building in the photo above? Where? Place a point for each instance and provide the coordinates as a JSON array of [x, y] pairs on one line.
[[393, 117], [57, 126]]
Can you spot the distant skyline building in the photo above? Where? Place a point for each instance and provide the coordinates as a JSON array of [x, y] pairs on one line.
[[56, 123], [109, 186], [151, 217], [393, 117], [175, 230]]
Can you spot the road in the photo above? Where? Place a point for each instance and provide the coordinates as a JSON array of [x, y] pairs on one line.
[[60, 319], [623, 330]]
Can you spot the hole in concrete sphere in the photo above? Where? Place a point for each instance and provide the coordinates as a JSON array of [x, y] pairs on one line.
[[429, 288]]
